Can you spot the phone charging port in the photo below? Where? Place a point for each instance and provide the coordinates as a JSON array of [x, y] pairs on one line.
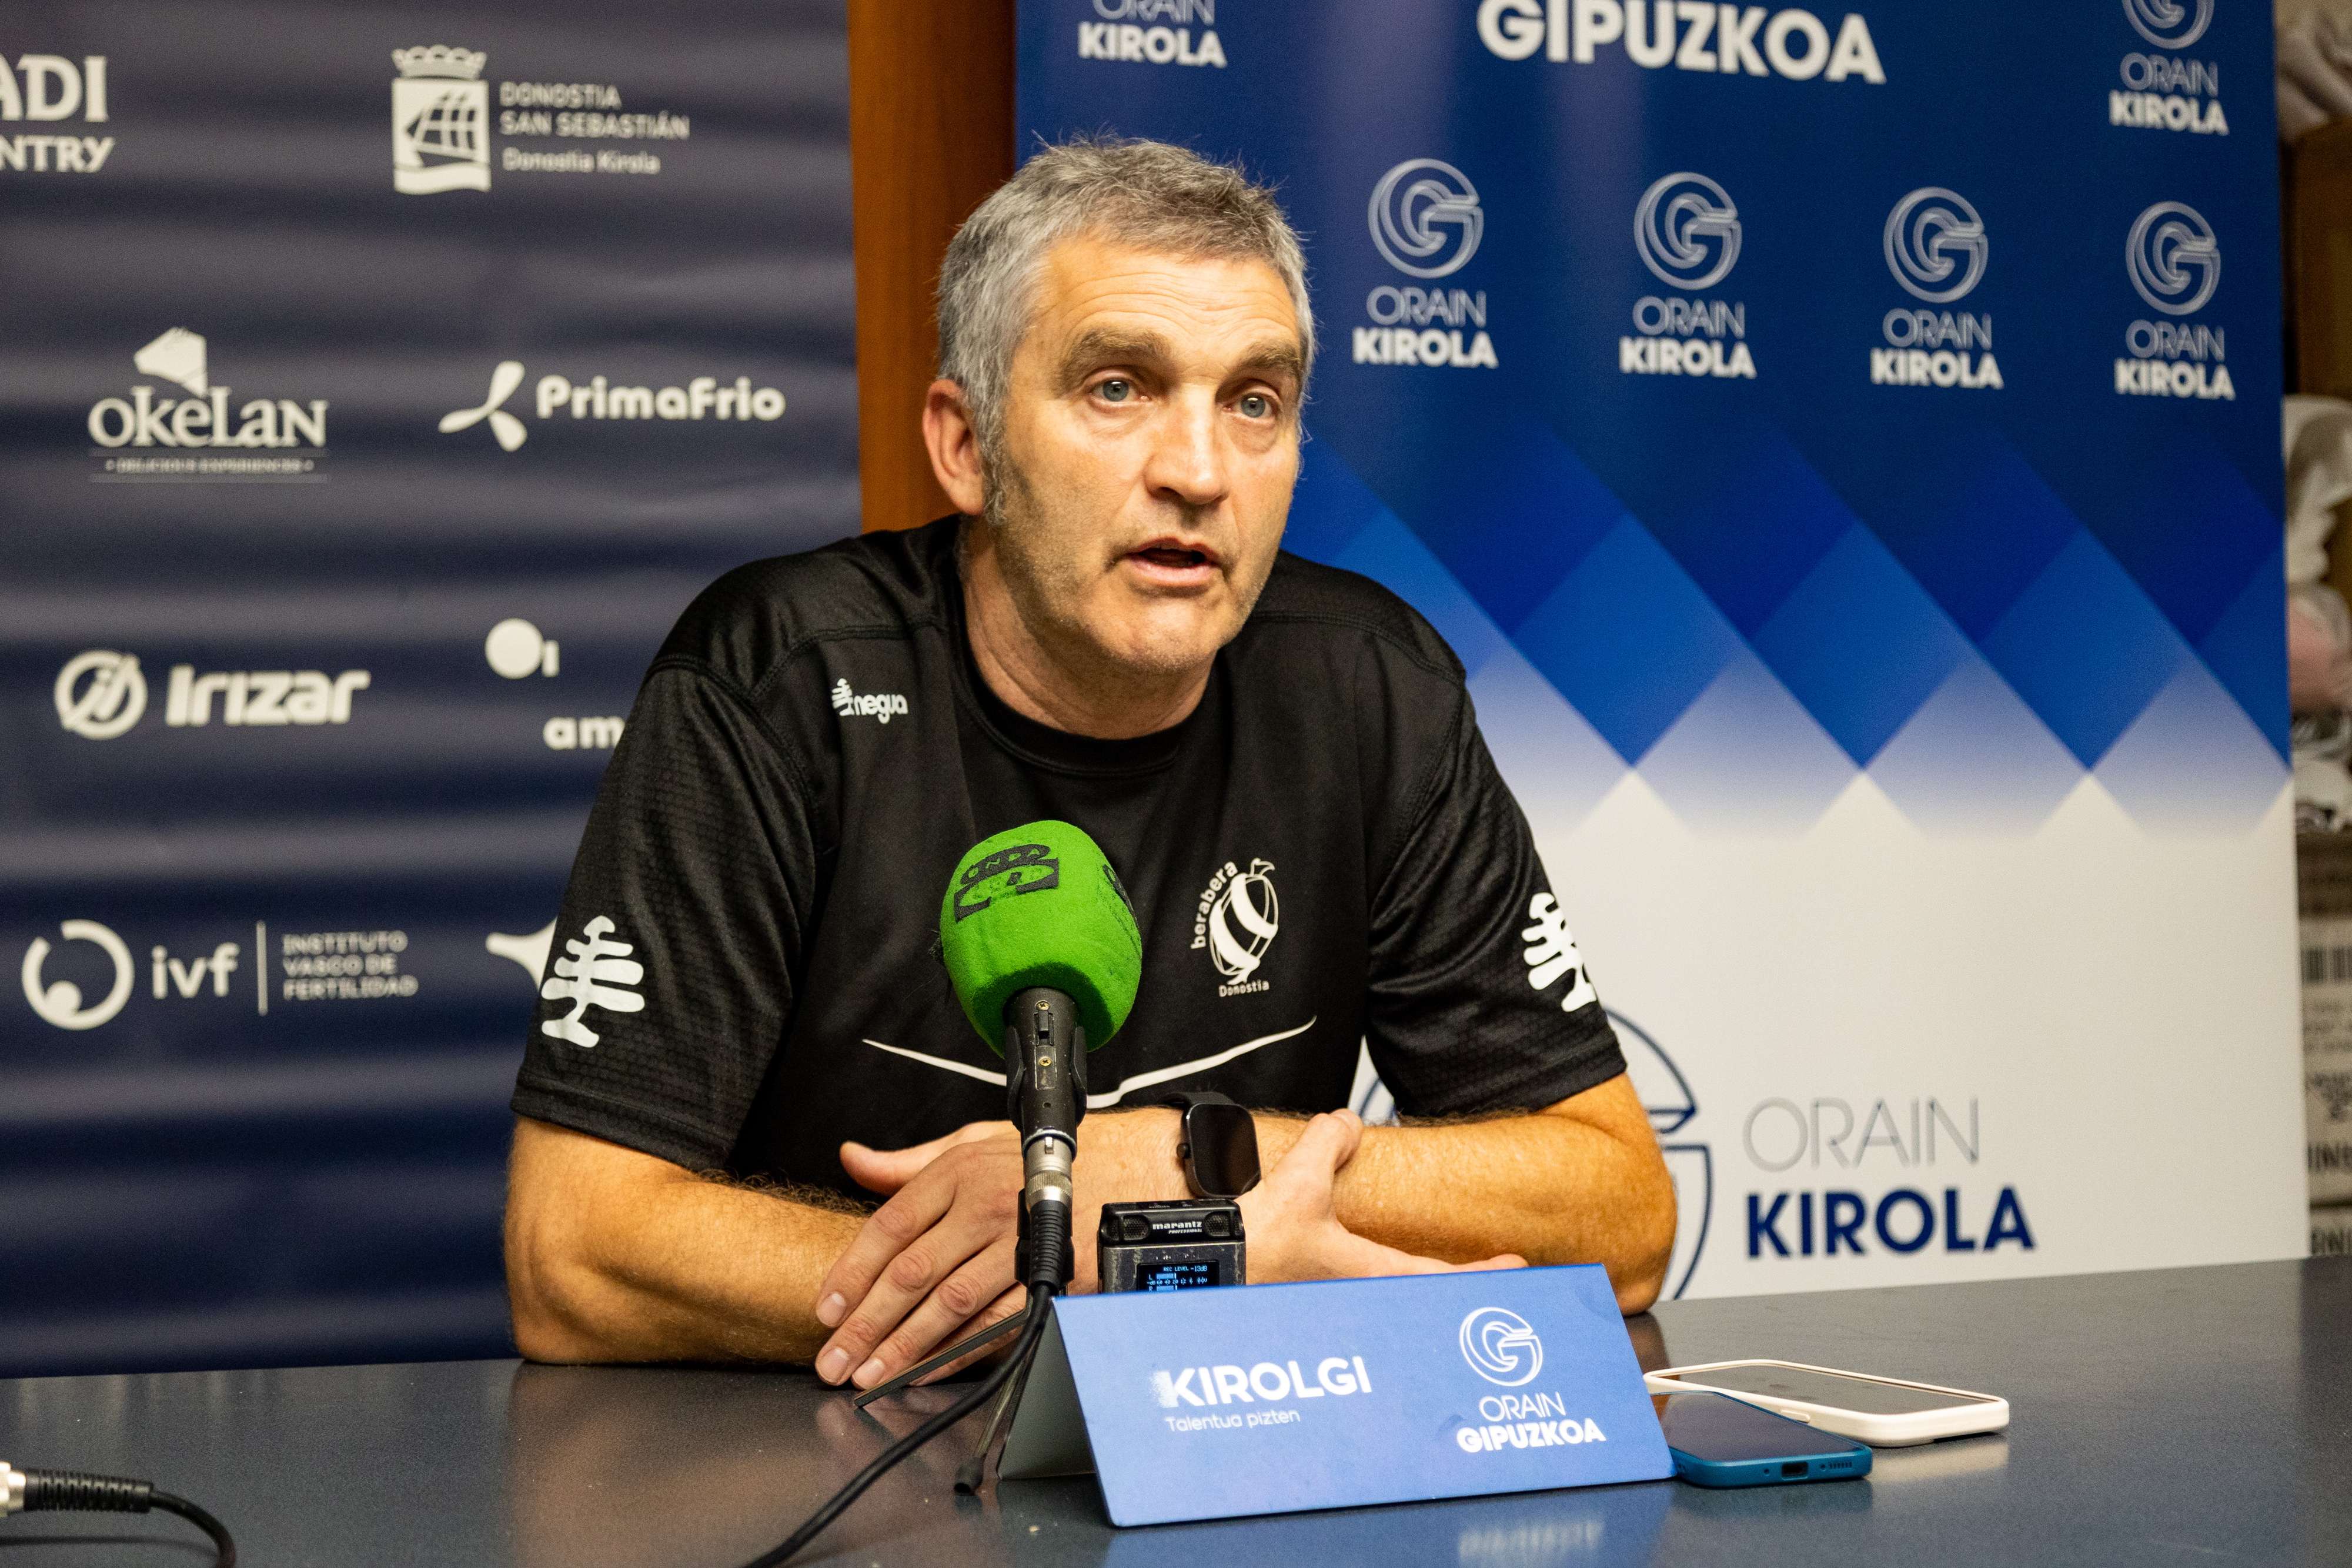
[[1792, 1469]]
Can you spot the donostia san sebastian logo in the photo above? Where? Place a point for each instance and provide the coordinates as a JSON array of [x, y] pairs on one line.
[[599, 398], [442, 128], [1238, 919], [1687, 231], [1935, 245], [2169, 23], [1425, 217], [60, 1002], [2173, 259], [101, 693], [1501, 1347]]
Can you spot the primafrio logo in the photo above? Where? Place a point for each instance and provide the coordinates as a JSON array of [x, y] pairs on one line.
[[53, 89], [2169, 23], [1935, 245], [59, 1002], [1239, 916], [2172, 259], [1501, 1347], [1425, 218], [600, 400], [2175, 264]]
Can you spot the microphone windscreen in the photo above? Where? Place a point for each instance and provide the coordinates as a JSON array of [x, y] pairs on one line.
[[1040, 905]]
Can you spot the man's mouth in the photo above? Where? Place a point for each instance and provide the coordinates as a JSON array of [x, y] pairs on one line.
[[1174, 561]]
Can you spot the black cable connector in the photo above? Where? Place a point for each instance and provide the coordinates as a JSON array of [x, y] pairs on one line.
[[71, 1492]]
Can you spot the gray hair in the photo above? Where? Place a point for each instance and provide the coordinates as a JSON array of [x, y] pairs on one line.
[[1145, 194]]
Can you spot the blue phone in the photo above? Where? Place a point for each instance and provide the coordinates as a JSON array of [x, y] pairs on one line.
[[1719, 1441]]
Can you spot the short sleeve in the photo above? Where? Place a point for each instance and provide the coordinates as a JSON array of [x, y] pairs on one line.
[[1479, 999], [670, 975]]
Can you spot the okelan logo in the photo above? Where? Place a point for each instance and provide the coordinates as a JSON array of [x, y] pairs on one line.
[[1501, 1347], [441, 127], [2174, 263], [200, 421], [602, 400], [1426, 222], [1686, 231], [54, 90], [1936, 249]]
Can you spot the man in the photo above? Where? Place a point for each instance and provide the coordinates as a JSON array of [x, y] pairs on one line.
[[746, 1023]]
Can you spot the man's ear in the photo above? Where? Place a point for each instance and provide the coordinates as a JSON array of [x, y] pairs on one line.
[[954, 443]]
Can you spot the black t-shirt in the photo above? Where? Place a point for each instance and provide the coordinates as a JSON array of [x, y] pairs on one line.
[[745, 970]]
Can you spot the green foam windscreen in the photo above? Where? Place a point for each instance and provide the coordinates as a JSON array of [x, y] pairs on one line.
[[1040, 905]]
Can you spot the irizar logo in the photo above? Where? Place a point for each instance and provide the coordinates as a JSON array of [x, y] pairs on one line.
[[54, 89], [597, 973], [1936, 249], [201, 420], [60, 1002], [2175, 264], [1269, 1382], [1239, 916], [880, 706], [1122, 36], [440, 121], [1501, 1347], [599, 398], [101, 693], [1551, 953], [2169, 23], [1728, 39]]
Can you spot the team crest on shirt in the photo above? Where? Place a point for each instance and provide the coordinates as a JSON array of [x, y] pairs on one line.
[[596, 972], [1237, 920], [1551, 953]]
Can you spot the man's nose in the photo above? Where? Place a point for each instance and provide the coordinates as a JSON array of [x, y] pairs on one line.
[[1188, 461]]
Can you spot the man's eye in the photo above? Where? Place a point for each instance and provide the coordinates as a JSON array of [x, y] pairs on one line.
[[1256, 405], [1115, 391]]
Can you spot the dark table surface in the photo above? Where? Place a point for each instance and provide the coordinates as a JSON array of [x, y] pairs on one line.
[[2187, 1415]]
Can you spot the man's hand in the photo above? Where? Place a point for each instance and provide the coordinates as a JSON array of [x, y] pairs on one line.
[[1294, 1227]]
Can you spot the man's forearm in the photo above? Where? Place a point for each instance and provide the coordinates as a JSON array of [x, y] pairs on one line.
[[616, 1256]]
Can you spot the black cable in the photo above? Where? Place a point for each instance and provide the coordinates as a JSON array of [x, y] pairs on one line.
[[1032, 1332], [73, 1491]]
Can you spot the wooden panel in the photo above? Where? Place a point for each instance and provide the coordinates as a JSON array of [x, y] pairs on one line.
[[2319, 259], [931, 133]]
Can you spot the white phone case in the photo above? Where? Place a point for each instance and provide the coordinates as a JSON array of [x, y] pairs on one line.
[[1880, 1431]]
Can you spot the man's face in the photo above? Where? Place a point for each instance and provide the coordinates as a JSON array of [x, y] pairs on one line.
[[1150, 443]]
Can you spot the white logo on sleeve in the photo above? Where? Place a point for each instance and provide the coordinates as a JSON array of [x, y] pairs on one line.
[[595, 976], [1551, 953], [876, 706], [1501, 1347]]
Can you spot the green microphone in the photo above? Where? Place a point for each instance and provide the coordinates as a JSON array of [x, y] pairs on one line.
[[1041, 946]]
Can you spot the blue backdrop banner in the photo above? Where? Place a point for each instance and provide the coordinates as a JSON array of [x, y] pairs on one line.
[[381, 382], [1843, 448]]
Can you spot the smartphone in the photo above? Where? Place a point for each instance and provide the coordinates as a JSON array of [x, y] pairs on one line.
[[1719, 1441], [1884, 1412]]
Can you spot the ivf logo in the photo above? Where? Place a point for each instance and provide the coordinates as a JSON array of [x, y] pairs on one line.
[[1501, 1347], [1425, 217], [60, 1004], [1687, 231], [504, 426], [2173, 258], [108, 702], [2169, 23], [1935, 245]]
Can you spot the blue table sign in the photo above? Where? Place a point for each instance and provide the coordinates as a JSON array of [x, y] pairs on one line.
[[1278, 1398]]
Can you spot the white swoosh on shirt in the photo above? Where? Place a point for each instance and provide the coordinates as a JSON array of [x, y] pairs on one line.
[[1106, 1101]]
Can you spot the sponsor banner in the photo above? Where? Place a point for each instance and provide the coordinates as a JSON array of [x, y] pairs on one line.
[[354, 475], [1857, 504]]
